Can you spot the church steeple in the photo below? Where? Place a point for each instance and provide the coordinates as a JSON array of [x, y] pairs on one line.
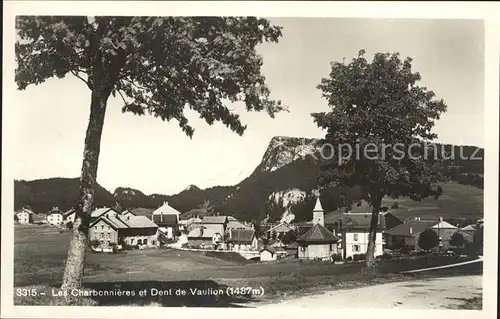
[[318, 213]]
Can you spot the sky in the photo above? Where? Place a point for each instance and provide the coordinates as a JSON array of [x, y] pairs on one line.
[[146, 153]]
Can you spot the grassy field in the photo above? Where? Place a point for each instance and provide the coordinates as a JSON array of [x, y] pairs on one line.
[[457, 201], [40, 252]]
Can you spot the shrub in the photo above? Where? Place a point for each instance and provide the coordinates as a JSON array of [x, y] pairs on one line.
[[405, 250], [386, 256], [336, 257], [428, 239], [457, 240], [95, 243], [349, 258], [136, 246]]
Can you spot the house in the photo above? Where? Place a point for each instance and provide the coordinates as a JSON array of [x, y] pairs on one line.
[[69, 216], [211, 231], [214, 225], [408, 233], [141, 211], [233, 223], [354, 231], [55, 216], [39, 219], [132, 230], [318, 242], [242, 239], [278, 231], [167, 219], [270, 254], [25, 216], [94, 215], [127, 212]]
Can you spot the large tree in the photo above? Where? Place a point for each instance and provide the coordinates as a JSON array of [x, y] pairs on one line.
[[156, 65], [375, 131]]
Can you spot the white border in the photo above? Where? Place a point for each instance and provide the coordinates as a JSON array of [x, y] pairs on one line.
[[439, 10]]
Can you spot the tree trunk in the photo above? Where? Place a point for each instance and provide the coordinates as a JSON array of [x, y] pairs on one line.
[[75, 262], [370, 251]]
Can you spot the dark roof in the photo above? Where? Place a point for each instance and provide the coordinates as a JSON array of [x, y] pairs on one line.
[[141, 211], [122, 222], [214, 219], [69, 212], [317, 235], [280, 228], [417, 226], [55, 210], [127, 211], [242, 236], [164, 220], [200, 212], [351, 221]]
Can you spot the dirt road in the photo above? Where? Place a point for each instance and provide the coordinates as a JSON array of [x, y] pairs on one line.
[[463, 292]]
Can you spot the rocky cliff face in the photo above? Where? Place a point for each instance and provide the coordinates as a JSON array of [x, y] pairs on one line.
[[284, 150]]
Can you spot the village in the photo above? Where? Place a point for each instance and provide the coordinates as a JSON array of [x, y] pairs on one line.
[[332, 236]]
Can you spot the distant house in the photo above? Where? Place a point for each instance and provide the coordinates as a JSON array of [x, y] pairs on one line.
[[24, 216], [127, 212], [55, 216], [233, 223], [354, 231], [214, 225], [270, 254], [211, 231], [39, 219], [69, 216], [133, 230], [278, 231], [94, 215], [408, 233], [141, 211], [318, 242], [167, 219], [242, 239]]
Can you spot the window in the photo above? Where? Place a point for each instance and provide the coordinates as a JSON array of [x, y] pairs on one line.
[[355, 248], [139, 242], [108, 235], [102, 235], [153, 242], [355, 237], [145, 242], [102, 227], [131, 241]]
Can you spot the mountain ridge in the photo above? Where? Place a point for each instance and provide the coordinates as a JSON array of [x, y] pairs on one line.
[[279, 188]]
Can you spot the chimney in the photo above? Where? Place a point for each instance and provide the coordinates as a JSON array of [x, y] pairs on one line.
[[410, 230], [318, 213], [440, 219]]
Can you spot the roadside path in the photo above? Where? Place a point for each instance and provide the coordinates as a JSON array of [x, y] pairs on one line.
[[437, 293], [480, 259]]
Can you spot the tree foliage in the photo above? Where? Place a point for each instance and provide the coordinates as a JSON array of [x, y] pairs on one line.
[[478, 239], [158, 65], [379, 120], [428, 239], [380, 106], [457, 240]]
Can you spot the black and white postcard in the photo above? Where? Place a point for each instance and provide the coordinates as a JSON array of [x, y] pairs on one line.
[[273, 158]]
